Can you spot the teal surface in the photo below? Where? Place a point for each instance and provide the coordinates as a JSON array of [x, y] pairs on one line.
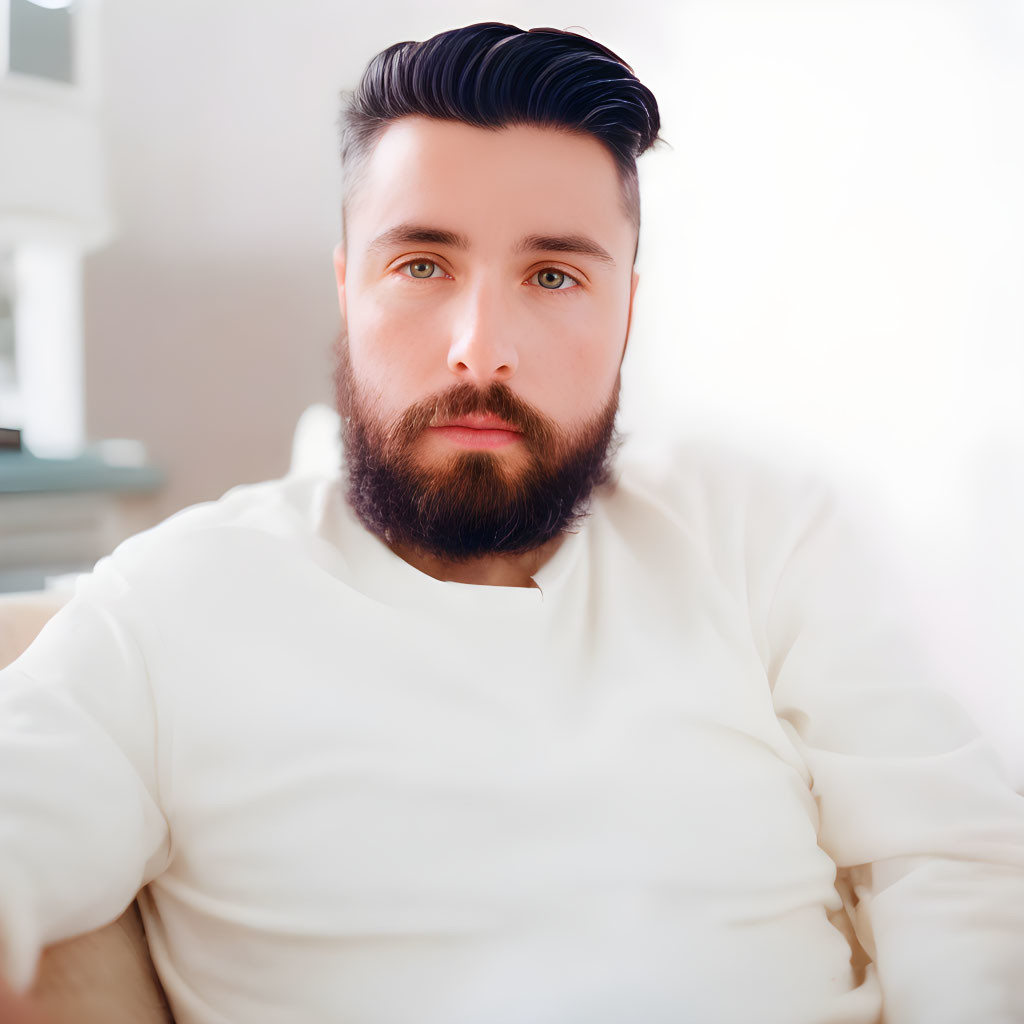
[[23, 473]]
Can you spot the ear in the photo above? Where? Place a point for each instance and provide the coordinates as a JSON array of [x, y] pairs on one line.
[[339, 275], [629, 317]]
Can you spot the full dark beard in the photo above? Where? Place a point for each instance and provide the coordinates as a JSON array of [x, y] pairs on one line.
[[473, 503]]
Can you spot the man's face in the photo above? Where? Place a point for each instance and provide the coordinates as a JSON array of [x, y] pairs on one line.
[[487, 291]]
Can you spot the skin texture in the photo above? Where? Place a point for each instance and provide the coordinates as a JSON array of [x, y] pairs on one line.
[[476, 310]]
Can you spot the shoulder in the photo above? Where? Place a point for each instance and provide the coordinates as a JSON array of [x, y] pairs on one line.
[[752, 511], [719, 487], [248, 519]]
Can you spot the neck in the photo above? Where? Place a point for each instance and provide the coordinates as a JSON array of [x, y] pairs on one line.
[[488, 570]]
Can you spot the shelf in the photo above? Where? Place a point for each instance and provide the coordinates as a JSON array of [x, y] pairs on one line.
[[23, 473]]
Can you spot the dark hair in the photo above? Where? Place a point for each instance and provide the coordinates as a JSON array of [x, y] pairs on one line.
[[494, 76]]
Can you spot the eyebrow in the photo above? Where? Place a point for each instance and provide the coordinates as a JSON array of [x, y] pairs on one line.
[[575, 245], [403, 234]]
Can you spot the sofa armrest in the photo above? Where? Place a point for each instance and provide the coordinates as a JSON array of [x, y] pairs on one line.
[[104, 977], [22, 616]]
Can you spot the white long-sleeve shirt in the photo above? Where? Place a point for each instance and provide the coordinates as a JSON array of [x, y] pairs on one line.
[[640, 791]]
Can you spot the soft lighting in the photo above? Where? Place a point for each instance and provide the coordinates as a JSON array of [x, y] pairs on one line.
[[52, 5]]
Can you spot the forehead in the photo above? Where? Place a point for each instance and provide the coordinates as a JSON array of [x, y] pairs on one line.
[[491, 185]]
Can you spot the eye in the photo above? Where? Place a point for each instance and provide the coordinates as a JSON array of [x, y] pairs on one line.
[[554, 280], [421, 269]]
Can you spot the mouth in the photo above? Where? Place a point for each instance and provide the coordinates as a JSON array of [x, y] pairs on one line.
[[478, 430]]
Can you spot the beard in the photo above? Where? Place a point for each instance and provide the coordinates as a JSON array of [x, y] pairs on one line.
[[469, 504]]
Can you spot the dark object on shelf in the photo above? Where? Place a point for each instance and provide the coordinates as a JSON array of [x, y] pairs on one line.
[[10, 439]]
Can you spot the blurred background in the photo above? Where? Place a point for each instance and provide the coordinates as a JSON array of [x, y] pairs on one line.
[[831, 261]]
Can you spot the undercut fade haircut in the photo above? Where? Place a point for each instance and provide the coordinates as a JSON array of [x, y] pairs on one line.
[[495, 76]]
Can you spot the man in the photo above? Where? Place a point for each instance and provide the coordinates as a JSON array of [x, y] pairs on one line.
[[494, 729]]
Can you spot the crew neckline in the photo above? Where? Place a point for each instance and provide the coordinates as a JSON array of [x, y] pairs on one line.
[[380, 573]]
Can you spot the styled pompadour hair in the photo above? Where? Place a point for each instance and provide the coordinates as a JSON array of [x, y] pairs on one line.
[[494, 76]]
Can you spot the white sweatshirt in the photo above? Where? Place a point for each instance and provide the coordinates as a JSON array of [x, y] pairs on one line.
[[358, 794]]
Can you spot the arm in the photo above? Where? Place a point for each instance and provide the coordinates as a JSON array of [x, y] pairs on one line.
[[80, 829], [104, 977], [912, 801]]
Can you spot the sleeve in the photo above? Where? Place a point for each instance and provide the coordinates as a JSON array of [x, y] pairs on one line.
[[81, 825], [913, 804]]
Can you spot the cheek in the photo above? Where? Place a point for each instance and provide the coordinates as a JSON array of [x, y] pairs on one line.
[[391, 350], [573, 368]]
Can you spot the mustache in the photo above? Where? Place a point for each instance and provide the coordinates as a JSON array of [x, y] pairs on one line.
[[464, 399]]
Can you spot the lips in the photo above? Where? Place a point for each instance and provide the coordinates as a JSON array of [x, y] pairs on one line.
[[481, 421], [478, 431]]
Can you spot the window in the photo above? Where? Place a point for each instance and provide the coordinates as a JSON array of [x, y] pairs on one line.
[[39, 39], [53, 210]]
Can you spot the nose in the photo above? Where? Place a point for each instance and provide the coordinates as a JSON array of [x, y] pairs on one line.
[[482, 348]]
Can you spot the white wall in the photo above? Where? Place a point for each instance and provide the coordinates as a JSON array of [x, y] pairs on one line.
[[831, 250], [838, 238]]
